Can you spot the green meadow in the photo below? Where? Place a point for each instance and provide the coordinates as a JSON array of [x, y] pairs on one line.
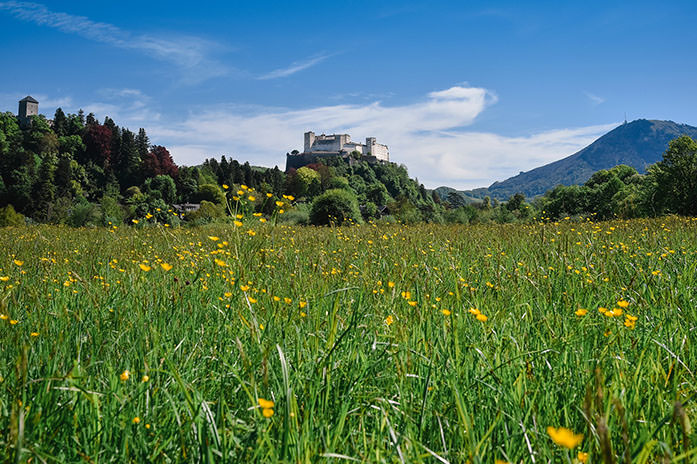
[[549, 342]]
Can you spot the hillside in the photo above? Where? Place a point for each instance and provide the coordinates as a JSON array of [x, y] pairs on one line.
[[637, 144]]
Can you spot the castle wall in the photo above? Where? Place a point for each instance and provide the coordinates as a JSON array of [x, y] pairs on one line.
[[380, 151], [335, 144]]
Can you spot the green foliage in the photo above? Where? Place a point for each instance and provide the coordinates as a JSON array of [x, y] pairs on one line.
[[370, 211], [305, 182], [208, 212], [298, 215], [10, 218], [675, 177], [404, 211], [335, 206], [71, 144], [161, 187], [113, 213], [84, 214], [211, 193], [338, 182]]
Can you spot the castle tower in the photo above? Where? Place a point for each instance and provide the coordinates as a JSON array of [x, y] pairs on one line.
[[309, 141], [28, 107]]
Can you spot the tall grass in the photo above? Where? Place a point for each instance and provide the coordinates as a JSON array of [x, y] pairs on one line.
[[376, 344]]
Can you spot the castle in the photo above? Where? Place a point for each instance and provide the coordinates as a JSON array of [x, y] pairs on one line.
[[28, 107], [326, 146]]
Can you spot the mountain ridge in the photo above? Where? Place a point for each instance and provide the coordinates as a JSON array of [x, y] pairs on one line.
[[638, 144]]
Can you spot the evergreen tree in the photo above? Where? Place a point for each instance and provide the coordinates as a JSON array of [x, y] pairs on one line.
[[128, 170], [60, 123], [44, 192], [142, 143], [64, 176]]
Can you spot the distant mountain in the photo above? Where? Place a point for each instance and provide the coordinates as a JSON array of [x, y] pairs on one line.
[[638, 144]]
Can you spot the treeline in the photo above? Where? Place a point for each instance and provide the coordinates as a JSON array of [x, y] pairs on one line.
[[78, 171]]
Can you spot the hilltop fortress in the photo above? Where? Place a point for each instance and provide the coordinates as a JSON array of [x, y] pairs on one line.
[[327, 146]]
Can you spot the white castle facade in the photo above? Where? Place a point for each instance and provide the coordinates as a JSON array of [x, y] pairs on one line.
[[340, 144]]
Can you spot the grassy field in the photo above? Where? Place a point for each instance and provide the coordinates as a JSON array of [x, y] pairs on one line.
[[364, 344]]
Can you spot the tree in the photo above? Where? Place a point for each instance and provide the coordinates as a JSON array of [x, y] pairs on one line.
[[98, 145], [676, 177], [45, 189], [304, 182], [60, 123], [162, 187], [71, 144], [64, 176], [335, 206], [128, 170], [210, 193], [142, 143], [158, 161]]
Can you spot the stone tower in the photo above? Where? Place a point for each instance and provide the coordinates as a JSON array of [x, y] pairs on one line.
[[309, 141], [28, 107]]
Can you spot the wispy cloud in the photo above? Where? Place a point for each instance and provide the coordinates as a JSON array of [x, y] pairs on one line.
[[595, 100], [294, 67], [190, 54], [429, 136]]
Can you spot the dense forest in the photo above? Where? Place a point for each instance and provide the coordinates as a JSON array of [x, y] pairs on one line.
[[75, 170]]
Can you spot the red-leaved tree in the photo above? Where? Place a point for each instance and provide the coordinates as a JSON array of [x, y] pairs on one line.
[[97, 141], [158, 161]]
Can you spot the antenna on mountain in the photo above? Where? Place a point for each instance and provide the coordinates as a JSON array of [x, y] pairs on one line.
[[625, 118]]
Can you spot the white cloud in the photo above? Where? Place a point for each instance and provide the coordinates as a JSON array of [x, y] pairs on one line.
[[191, 54], [595, 100], [295, 67], [427, 136]]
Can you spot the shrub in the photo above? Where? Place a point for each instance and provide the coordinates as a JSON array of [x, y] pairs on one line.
[[211, 193], [84, 214], [208, 212], [299, 215], [10, 218], [335, 206]]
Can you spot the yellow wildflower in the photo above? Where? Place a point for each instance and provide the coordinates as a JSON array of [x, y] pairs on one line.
[[266, 404], [581, 312], [565, 437], [18, 262], [166, 266], [125, 375], [144, 267]]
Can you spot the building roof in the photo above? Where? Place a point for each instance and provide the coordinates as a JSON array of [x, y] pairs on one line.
[[29, 99]]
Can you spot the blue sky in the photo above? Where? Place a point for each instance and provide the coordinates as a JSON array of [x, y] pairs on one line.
[[463, 93]]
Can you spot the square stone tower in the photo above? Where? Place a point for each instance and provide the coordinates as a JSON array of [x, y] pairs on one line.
[[28, 107]]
